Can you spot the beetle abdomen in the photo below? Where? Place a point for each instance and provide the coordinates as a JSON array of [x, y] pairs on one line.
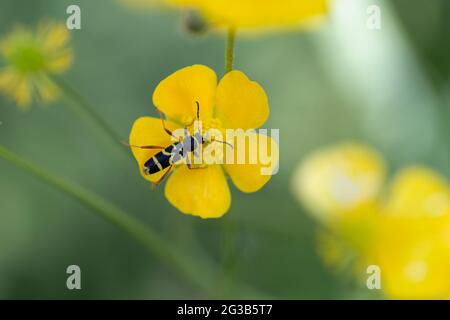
[[159, 161]]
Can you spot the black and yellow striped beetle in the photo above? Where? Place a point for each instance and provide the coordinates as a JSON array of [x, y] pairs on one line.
[[176, 152]]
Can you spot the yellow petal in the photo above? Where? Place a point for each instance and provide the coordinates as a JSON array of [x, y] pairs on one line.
[[253, 174], [339, 180], [260, 13], [413, 244], [199, 192], [61, 62], [47, 90], [149, 131], [8, 80], [23, 94], [418, 191], [241, 103], [414, 260], [176, 95], [53, 36]]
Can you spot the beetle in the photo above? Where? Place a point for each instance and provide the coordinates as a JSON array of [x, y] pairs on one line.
[[176, 152]]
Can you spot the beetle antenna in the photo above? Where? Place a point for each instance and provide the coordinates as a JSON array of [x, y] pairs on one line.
[[224, 142], [198, 110], [141, 147]]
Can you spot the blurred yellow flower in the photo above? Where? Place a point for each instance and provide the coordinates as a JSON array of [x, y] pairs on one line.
[[235, 102], [252, 14], [30, 58], [406, 232], [412, 244], [243, 14], [339, 180], [419, 191]]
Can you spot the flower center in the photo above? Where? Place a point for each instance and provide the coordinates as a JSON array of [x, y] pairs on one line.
[[210, 129], [204, 125], [26, 56], [212, 123]]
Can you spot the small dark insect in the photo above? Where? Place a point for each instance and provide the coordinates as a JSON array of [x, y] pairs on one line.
[[176, 152]]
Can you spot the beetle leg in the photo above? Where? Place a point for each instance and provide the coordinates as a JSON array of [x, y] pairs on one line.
[[198, 114], [143, 147], [190, 167], [170, 133], [224, 142], [198, 110], [155, 184]]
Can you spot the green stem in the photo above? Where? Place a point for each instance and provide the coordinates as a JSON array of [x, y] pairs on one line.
[[88, 111], [200, 275], [228, 233], [229, 55], [228, 259]]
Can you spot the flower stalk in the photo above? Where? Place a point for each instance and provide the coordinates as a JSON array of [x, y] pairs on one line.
[[88, 111], [229, 55], [198, 274], [228, 257]]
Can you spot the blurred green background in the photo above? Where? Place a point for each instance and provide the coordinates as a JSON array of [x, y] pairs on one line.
[[389, 88]]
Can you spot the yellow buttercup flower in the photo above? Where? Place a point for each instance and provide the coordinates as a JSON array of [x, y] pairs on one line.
[[30, 58], [339, 180], [235, 102], [340, 186], [419, 191], [406, 232], [414, 261], [412, 245], [346, 242], [251, 14]]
